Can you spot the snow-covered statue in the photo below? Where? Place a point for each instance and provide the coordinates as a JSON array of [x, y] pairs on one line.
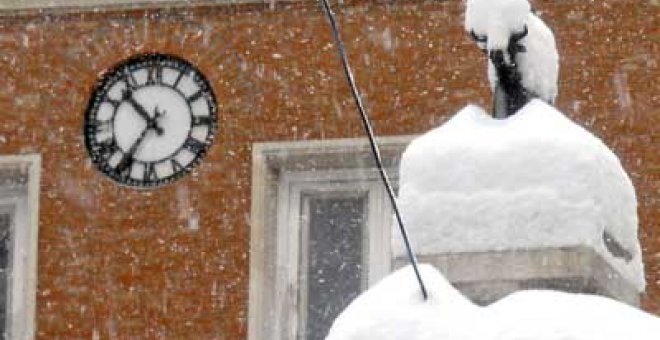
[[523, 62], [533, 200]]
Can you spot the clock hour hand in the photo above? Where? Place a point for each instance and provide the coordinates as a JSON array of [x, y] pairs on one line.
[[158, 114], [151, 122]]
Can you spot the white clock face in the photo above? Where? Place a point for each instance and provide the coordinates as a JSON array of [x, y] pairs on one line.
[[150, 120]]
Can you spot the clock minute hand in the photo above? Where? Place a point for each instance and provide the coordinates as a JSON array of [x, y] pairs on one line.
[[127, 159], [151, 122]]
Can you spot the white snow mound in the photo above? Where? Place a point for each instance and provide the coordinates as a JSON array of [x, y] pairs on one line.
[[535, 180], [394, 310]]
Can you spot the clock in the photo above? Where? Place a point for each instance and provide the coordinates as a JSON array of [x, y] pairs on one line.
[[150, 120]]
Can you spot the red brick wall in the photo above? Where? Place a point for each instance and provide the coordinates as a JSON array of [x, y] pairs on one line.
[[118, 262]]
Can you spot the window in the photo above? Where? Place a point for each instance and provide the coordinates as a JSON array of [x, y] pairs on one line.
[[321, 232], [19, 187], [331, 230]]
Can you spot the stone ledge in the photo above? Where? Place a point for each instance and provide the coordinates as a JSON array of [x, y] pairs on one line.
[[487, 276]]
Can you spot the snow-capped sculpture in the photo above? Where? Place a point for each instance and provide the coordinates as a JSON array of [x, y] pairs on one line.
[[523, 62], [535, 180], [529, 183], [394, 310]]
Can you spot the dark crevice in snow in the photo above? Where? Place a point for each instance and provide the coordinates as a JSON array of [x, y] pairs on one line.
[[615, 248]]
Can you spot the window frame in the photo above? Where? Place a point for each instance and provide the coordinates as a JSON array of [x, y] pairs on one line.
[[284, 170], [291, 230], [21, 201]]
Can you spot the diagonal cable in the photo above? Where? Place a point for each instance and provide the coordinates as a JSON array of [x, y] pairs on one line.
[[374, 147]]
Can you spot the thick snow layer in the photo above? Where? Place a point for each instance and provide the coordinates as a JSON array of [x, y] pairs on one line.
[[394, 309], [497, 20], [535, 180]]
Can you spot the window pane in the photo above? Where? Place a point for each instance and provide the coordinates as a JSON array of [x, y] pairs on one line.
[[4, 268], [335, 254], [4, 241]]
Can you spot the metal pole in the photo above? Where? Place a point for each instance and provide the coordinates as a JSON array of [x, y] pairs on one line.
[[372, 142]]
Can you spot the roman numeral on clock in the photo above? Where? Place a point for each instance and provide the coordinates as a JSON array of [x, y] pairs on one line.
[[193, 145], [130, 80], [124, 166], [176, 166], [150, 172], [155, 75], [113, 102], [201, 120], [178, 79], [195, 96], [105, 149], [103, 126]]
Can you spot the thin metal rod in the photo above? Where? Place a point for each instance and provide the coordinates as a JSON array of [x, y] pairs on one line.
[[372, 142]]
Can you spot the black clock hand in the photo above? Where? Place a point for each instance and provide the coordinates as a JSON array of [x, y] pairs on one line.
[[151, 122], [158, 114], [127, 160]]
